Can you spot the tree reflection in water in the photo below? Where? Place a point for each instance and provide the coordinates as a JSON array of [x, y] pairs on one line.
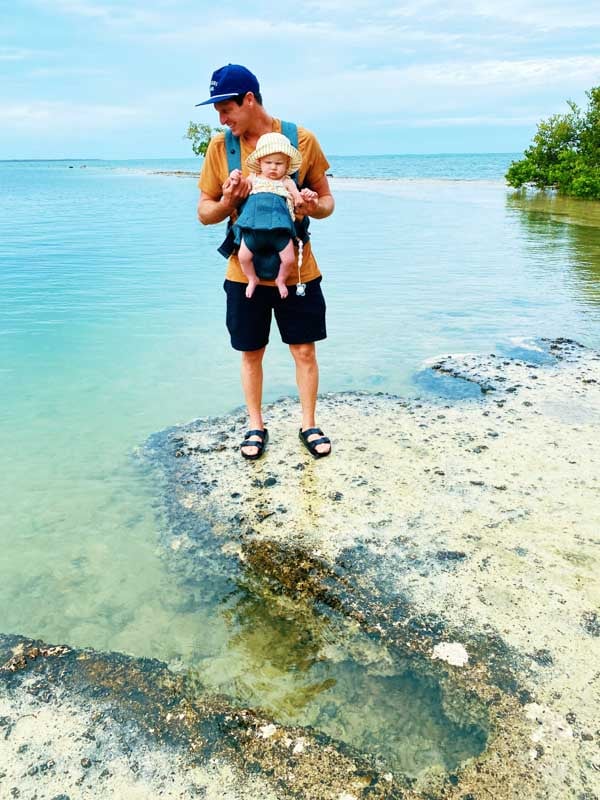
[[568, 229]]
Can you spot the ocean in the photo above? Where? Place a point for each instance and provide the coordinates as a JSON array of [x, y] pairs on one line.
[[112, 328]]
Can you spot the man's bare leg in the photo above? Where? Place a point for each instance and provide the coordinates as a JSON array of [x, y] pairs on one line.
[[287, 257], [307, 379], [245, 256], [252, 383]]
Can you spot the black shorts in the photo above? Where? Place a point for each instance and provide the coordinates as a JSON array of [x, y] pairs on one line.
[[300, 319]]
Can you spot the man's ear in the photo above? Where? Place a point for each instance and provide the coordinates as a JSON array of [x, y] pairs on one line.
[[249, 99]]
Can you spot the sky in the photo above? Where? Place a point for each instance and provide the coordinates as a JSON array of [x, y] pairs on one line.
[[120, 79]]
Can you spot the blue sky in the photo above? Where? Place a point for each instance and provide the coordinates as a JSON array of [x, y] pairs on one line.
[[108, 79]]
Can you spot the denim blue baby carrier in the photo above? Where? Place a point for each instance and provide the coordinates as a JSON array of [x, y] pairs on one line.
[[267, 226]]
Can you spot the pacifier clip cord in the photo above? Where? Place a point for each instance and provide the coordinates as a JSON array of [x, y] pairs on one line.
[[300, 287]]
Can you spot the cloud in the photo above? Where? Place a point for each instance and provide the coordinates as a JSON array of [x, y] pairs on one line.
[[226, 28], [547, 15], [524, 15], [55, 117], [14, 53], [516, 74], [460, 122], [350, 39], [66, 72], [121, 14], [507, 72], [446, 89]]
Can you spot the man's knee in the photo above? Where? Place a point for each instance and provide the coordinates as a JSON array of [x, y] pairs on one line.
[[304, 353], [252, 358]]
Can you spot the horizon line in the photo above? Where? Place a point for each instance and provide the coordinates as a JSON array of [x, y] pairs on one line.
[[330, 155]]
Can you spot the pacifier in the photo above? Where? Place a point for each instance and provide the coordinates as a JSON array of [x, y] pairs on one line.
[[300, 289]]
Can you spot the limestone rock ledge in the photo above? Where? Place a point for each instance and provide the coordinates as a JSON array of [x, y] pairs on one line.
[[466, 532]]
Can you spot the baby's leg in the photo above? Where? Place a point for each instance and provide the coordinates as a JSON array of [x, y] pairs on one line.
[[247, 265], [288, 262]]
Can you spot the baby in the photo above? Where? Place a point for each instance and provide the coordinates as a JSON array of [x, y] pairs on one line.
[[271, 165]]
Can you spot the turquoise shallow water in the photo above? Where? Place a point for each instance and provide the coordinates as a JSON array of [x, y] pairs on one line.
[[111, 327]]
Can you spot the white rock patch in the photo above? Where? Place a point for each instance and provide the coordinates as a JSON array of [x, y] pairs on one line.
[[453, 653]]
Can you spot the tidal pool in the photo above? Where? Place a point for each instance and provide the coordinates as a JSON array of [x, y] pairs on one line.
[[314, 669]]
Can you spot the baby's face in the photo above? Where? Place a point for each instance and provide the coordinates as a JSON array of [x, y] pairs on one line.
[[274, 166]]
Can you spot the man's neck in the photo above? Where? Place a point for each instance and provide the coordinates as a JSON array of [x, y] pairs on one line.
[[263, 123]]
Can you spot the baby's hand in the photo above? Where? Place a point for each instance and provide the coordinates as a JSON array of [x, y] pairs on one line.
[[235, 189], [308, 194]]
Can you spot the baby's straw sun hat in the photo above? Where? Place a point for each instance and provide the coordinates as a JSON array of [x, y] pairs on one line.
[[270, 143]]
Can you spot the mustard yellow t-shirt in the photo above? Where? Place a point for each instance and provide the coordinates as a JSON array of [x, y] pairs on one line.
[[215, 172]]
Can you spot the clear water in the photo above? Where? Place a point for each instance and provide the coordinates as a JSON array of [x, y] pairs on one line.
[[111, 327]]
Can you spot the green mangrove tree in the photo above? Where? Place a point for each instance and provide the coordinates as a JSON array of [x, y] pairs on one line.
[[565, 153], [200, 134]]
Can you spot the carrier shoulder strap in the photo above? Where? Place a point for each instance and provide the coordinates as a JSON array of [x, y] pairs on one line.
[[233, 150], [290, 129]]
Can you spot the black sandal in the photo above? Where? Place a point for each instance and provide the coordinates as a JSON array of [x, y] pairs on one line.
[[311, 446], [260, 443]]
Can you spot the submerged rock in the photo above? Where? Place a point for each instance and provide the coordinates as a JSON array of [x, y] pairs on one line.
[[125, 727]]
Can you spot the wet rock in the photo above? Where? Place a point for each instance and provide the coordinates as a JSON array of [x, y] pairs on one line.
[[543, 657], [450, 555], [386, 579], [591, 623]]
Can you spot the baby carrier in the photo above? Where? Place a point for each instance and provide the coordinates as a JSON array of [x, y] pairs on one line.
[[268, 210]]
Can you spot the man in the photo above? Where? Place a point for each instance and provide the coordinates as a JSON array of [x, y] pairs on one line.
[[235, 94]]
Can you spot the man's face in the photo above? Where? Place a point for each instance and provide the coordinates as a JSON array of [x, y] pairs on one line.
[[235, 117]]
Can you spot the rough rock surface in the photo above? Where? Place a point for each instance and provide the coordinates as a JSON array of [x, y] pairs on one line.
[[473, 522], [81, 724]]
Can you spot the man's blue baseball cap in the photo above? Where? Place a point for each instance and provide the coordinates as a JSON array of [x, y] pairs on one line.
[[229, 81]]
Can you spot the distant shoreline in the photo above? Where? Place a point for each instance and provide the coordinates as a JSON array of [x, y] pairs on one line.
[[348, 178], [188, 158], [459, 166]]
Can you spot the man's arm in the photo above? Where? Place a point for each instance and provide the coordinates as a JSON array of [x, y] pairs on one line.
[[320, 207], [215, 209]]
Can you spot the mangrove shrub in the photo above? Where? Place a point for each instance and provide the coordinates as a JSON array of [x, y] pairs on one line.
[[565, 153], [200, 135]]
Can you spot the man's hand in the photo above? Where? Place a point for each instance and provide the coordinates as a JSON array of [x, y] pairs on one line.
[[235, 189], [309, 203]]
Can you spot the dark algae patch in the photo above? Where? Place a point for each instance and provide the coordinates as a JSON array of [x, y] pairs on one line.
[[139, 721], [352, 681]]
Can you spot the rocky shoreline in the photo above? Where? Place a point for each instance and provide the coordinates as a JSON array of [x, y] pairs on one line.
[[458, 539]]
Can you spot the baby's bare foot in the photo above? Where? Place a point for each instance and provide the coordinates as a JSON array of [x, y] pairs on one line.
[[252, 284], [283, 290]]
